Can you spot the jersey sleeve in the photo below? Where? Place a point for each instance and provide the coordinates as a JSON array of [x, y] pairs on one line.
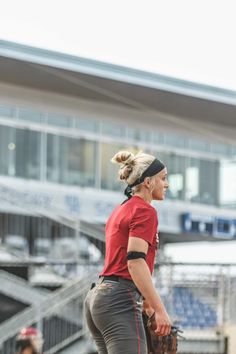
[[143, 224]]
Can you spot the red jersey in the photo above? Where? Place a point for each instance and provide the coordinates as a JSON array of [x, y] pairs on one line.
[[134, 218]]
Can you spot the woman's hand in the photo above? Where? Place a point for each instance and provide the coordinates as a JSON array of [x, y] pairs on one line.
[[163, 323], [160, 321], [147, 308]]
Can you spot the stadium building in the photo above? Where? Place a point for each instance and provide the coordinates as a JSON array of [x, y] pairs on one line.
[[62, 118]]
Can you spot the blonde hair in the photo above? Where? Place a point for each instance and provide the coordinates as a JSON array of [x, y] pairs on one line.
[[132, 166]]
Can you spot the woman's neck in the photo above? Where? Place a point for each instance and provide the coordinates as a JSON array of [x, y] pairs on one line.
[[144, 195]]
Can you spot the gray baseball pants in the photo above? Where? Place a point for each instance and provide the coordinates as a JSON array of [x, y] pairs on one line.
[[114, 317]]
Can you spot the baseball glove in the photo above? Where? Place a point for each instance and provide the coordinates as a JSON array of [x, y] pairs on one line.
[[160, 344]]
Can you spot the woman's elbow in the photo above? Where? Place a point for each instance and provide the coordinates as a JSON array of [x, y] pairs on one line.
[[134, 264], [130, 266]]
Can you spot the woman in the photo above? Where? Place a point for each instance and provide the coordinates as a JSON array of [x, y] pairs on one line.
[[26, 347], [29, 341], [114, 306]]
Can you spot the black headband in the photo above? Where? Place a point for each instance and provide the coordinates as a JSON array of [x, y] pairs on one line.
[[155, 167]]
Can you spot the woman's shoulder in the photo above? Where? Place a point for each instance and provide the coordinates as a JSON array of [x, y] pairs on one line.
[[140, 203], [142, 207]]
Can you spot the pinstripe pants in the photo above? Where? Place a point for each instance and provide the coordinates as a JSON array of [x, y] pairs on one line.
[[114, 317]]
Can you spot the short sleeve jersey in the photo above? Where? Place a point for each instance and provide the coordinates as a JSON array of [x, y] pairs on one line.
[[134, 218]]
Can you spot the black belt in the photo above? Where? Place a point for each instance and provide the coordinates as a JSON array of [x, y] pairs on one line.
[[112, 277], [116, 278]]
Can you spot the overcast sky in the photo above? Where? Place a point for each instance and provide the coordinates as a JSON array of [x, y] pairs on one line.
[[188, 39], [192, 40]]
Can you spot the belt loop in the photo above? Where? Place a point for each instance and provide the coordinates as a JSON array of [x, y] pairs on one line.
[[101, 279]]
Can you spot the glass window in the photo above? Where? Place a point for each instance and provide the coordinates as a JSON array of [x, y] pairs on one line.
[[109, 171], [209, 182], [176, 174], [28, 115], [60, 120], [233, 149], [138, 135], [199, 145], [132, 133], [192, 180], [202, 181], [53, 158], [144, 136], [8, 112], [8, 150], [70, 161], [227, 184], [158, 138], [86, 124], [175, 140], [20, 153], [223, 149], [112, 129], [27, 154]]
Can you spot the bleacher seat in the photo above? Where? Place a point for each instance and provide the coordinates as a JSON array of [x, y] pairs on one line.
[[190, 311]]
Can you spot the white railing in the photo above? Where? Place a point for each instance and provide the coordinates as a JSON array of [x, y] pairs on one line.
[[20, 289], [60, 305]]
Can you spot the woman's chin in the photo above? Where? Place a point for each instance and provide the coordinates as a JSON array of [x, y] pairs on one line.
[[159, 197]]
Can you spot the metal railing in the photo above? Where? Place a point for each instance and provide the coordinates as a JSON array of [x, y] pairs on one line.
[[59, 316], [208, 290], [20, 289], [211, 288]]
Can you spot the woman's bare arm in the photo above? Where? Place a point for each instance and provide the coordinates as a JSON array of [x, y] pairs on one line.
[[141, 276]]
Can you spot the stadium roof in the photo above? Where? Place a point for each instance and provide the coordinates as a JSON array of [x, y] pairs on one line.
[[194, 108]]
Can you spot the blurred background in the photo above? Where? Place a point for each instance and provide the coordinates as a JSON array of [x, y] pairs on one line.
[[75, 91]]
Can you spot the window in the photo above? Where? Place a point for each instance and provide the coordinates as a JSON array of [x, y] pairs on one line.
[[7, 147], [202, 181], [227, 184], [20, 153], [175, 140], [112, 129], [176, 174], [86, 125], [70, 161], [60, 120], [27, 154], [31, 116], [7, 112], [109, 171]]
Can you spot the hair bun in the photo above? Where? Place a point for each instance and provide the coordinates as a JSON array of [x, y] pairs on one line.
[[132, 166], [126, 159], [123, 157]]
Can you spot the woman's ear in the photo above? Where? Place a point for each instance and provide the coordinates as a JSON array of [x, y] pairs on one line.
[[147, 182]]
